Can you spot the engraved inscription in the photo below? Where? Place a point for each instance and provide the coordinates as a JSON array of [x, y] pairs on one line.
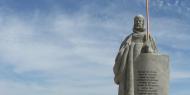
[[147, 83]]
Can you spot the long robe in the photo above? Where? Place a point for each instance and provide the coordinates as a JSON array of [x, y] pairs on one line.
[[129, 50]]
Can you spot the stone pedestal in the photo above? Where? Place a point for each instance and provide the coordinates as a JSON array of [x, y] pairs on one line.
[[151, 74]]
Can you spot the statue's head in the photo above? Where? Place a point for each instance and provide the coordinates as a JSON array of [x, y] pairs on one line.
[[139, 23]]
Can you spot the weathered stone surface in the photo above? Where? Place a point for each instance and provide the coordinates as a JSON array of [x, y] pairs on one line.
[[151, 74], [130, 49]]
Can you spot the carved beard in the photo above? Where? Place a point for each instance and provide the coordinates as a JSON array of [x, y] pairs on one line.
[[135, 29]]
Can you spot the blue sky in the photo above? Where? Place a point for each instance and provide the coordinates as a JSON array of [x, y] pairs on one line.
[[68, 47]]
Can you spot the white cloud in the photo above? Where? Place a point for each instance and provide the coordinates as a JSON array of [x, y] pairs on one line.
[[14, 88], [75, 53], [20, 42], [177, 75], [175, 7], [166, 29], [59, 51]]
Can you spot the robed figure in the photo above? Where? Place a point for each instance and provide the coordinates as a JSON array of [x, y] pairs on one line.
[[130, 49]]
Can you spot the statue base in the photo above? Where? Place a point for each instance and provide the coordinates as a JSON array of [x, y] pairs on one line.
[[151, 74]]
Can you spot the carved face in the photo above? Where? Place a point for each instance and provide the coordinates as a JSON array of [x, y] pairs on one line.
[[139, 22]]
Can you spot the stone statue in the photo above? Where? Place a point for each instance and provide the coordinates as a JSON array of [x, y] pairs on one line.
[[130, 49]]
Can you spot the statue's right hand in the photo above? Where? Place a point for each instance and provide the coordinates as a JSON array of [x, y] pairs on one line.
[[117, 79], [147, 47]]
